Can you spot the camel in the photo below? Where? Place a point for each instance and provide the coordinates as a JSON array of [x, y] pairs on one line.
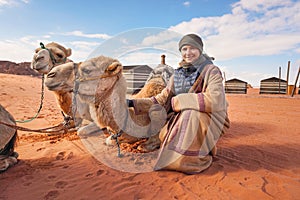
[[99, 82], [156, 81], [8, 138], [151, 88], [47, 57], [63, 92]]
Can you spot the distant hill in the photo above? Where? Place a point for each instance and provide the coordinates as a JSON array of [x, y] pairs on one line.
[[22, 68]]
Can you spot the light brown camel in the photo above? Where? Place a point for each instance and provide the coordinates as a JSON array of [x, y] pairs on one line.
[[8, 138], [47, 57], [101, 84], [150, 89], [57, 82], [157, 80]]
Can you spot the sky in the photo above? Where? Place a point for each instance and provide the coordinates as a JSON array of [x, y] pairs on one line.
[[250, 39]]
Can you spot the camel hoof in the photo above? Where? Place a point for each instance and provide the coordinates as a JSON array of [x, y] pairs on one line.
[[148, 147], [7, 162], [110, 142], [88, 129]]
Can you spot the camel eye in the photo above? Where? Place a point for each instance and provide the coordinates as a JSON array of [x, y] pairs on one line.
[[51, 75], [86, 71]]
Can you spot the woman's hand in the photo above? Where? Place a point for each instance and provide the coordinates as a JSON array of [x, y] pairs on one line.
[[129, 102]]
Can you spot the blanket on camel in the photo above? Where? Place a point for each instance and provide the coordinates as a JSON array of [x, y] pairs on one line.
[[8, 137]]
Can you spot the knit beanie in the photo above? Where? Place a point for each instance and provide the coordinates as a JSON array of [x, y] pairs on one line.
[[193, 40]]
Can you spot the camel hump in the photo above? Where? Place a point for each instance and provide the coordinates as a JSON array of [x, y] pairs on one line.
[[161, 71], [6, 133]]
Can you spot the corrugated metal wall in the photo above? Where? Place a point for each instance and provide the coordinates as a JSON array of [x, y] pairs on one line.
[[235, 86], [273, 86], [136, 77]]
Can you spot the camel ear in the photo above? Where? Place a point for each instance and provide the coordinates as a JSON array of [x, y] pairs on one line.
[[38, 49], [114, 66], [68, 52]]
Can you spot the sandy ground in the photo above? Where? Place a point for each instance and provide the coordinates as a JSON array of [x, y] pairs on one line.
[[259, 157]]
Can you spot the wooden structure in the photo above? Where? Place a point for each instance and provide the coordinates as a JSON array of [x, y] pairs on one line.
[[273, 85], [136, 76], [235, 86], [295, 85]]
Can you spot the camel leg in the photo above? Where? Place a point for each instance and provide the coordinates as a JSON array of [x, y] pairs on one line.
[[89, 129], [151, 144], [8, 161]]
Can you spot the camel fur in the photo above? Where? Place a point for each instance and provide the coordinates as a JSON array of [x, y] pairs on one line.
[[153, 87], [156, 81], [58, 81]]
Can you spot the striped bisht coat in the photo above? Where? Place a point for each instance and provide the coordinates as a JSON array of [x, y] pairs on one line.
[[198, 119]]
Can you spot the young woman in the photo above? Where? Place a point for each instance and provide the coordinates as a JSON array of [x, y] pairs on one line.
[[195, 100]]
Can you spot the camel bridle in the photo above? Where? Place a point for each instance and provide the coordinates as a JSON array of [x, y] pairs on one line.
[[98, 96], [107, 74], [52, 57]]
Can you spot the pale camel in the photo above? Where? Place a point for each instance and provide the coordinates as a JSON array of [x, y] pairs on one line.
[[48, 56], [100, 83], [8, 138]]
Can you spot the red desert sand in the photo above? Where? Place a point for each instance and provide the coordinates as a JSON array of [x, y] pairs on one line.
[[258, 158]]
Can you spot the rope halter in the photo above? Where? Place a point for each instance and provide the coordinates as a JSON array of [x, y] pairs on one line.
[[52, 57], [98, 96]]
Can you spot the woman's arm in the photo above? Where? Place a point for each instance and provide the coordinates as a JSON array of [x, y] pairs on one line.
[[142, 105], [211, 99]]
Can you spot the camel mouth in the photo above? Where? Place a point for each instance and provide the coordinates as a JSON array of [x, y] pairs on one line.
[[41, 69], [59, 87], [53, 87]]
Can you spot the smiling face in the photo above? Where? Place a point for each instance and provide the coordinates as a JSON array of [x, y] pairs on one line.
[[42, 61], [190, 53]]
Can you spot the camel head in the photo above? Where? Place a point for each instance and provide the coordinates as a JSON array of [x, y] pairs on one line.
[[99, 75], [61, 78], [48, 56], [94, 75]]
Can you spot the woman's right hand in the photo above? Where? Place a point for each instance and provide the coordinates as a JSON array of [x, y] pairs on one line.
[[129, 102]]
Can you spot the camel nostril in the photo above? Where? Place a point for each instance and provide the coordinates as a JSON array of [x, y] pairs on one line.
[[51, 75]]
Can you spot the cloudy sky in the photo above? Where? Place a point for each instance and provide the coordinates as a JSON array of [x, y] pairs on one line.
[[249, 39]]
